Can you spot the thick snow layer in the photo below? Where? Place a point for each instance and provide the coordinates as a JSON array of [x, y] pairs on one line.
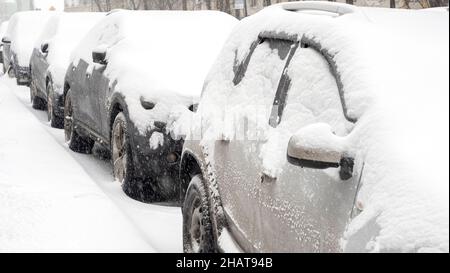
[[62, 33], [23, 30], [160, 56], [3, 29], [52, 199], [394, 68]]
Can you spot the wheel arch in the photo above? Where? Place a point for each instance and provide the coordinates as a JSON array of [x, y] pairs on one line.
[[191, 161], [189, 167], [116, 106], [66, 89]]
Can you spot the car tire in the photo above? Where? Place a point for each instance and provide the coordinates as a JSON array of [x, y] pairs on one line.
[[121, 154], [76, 142], [11, 72], [36, 102], [55, 121], [198, 236]]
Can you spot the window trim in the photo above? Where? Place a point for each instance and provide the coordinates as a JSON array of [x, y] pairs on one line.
[[285, 82], [329, 57], [242, 67]]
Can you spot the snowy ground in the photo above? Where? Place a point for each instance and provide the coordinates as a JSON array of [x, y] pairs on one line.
[[52, 199]]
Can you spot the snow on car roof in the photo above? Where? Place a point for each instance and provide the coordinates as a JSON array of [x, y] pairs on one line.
[[23, 30], [3, 28], [357, 40], [62, 33], [165, 50]]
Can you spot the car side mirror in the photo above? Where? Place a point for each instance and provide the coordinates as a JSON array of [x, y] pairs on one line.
[[316, 146], [44, 48], [6, 40], [99, 56]]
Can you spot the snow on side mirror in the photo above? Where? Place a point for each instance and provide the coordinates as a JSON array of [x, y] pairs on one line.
[[6, 40], [44, 48], [99, 56], [316, 146]]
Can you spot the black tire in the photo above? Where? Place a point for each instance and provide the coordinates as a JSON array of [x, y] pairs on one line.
[[36, 102], [77, 143], [198, 235], [55, 121], [121, 154]]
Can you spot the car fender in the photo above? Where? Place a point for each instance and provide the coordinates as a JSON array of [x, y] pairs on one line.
[[200, 154]]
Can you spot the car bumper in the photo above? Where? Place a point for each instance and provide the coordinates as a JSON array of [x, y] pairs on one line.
[[23, 75], [158, 165]]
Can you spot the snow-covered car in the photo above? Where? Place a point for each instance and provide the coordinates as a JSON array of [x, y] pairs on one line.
[[134, 73], [51, 57], [3, 28], [324, 128], [23, 30]]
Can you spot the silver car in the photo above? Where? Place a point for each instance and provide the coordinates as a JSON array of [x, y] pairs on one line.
[[292, 148]]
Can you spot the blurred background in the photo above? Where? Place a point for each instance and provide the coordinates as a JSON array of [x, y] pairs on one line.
[[237, 8]]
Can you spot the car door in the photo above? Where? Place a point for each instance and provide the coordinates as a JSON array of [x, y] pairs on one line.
[[39, 68], [305, 209], [6, 56], [85, 101], [236, 158], [99, 87]]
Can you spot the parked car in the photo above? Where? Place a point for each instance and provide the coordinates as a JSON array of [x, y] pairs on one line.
[[3, 28], [131, 74], [23, 30], [322, 130], [51, 57]]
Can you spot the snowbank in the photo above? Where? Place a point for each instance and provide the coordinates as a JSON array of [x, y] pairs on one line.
[[48, 203]]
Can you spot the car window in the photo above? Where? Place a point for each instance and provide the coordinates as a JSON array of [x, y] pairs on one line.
[[312, 94], [263, 72], [253, 96], [264, 47]]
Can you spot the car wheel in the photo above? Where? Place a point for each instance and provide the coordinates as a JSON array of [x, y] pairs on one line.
[[36, 102], [11, 72], [122, 159], [198, 234], [55, 121], [76, 142]]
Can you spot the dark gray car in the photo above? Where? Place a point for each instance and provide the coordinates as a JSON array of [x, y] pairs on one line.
[[130, 76]]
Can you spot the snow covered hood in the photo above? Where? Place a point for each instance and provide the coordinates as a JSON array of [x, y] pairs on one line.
[[23, 30]]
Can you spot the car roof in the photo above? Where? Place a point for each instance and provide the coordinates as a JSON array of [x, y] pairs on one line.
[[158, 45], [365, 43]]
